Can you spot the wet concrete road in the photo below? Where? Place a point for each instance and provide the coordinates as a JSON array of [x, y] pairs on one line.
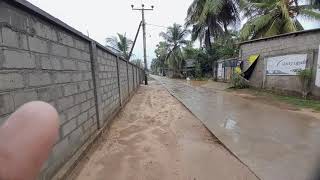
[[275, 144]]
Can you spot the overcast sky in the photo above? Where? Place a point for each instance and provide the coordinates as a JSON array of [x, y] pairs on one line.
[[104, 18]]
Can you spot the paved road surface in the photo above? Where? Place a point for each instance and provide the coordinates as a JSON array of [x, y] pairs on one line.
[[276, 144]]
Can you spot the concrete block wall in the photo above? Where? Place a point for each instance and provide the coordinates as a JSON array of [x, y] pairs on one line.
[[130, 72], [302, 42], [41, 58], [123, 74], [136, 81], [108, 84], [134, 78], [141, 76], [137, 78]]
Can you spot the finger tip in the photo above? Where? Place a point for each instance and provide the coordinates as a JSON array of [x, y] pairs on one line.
[[34, 125], [41, 113]]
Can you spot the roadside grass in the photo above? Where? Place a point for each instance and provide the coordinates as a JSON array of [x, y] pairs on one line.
[[299, 102], [291, 100]]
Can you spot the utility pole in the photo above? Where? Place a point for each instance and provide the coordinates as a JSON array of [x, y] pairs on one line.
[[142, 9], [135, 40]]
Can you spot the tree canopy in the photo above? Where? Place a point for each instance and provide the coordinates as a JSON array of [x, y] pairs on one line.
[[174, 40], [120, 43], [211, 18], [272, 17]]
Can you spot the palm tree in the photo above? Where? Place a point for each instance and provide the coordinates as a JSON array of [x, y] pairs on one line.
[[175, 39], [272, 17], [161, 52], [155, 66], [211, 18], [120, 43]]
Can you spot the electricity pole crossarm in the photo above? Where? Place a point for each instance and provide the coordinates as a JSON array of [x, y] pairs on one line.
[[144, 38]]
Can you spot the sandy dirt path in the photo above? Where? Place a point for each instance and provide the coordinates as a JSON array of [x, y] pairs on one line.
[[157, 138]]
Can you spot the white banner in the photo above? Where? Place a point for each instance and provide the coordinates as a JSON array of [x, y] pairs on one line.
[[318, 70], [220, 71], [286, 65]]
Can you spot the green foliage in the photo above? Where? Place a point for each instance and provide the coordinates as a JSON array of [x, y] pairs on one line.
[[238, 82], [159, 63], [293, 100], [121, 43], [175, 61], [305, 75], [305, 78], [272, 17], [191, 53], [198, 70], [225, 48], [211, 18], [174, 41], [302, 103]]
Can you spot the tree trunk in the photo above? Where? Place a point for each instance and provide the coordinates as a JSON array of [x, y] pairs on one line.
[[225, 26], [305, 87], [209, 46]]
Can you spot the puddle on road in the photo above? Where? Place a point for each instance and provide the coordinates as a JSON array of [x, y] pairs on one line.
[[230, 124], [197, 83], [213, 86]]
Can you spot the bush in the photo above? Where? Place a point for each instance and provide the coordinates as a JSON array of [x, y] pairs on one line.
[[198, 72], [238, 81], [305, 74], [305, 77]]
